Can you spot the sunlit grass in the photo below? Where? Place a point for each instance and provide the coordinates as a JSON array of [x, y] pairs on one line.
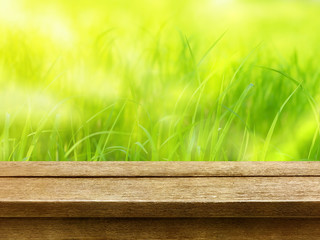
[[159, 80]]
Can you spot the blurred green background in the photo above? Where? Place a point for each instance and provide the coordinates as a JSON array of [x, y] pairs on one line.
[[227, 80]]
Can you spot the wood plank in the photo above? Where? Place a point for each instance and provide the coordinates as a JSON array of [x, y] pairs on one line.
[[160, 200], [160, 229], [160, 169], [160, 197]]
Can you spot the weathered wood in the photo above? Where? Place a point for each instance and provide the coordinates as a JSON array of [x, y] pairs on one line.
[[160, 200], [160, 229], [147, 169], [160, 197]]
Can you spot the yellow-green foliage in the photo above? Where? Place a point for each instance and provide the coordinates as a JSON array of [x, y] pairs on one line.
[[159, 80]]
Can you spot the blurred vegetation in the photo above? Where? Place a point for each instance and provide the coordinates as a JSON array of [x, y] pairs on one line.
[[226, 80]]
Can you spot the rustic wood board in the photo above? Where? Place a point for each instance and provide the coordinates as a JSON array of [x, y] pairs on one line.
[[161, 169], [160, 229], [160, 200], [160, 197]]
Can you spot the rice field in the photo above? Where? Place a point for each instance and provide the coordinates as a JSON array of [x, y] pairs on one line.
[[159, 80]]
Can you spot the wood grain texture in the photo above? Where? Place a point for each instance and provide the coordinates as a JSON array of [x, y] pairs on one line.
[[160, 197], [160, 229], [160, 169], [160, 200]]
